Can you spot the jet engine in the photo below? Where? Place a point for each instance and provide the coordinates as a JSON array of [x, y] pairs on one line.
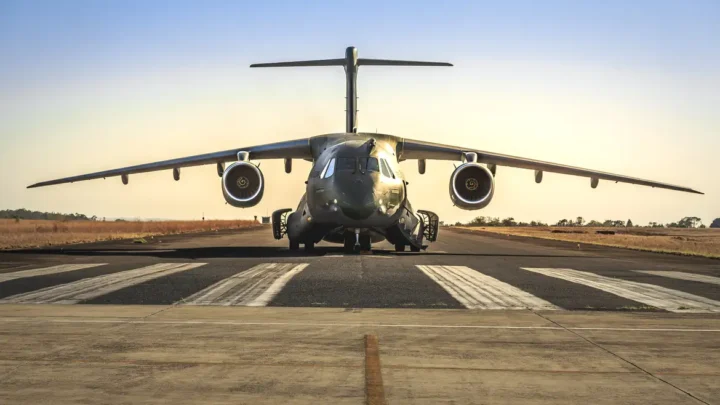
[[471, 186], [243, 184]]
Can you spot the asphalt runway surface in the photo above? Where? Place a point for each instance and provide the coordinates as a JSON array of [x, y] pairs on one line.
[[237, 317], [461, 270]]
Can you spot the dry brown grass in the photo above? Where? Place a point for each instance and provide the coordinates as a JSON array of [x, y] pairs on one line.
[[694, 242], [34, 233]]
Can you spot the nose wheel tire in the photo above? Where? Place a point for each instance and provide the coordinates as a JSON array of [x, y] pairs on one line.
[[294, 245], [309, 246]]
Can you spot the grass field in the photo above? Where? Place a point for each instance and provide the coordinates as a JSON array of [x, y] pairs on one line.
[[694, 242], [34, 233]]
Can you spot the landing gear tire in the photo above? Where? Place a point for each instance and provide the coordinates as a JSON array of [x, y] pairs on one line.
[[294, 245], [365, 243], [309, 246], [349, 246], [414, 248], [399, 247]]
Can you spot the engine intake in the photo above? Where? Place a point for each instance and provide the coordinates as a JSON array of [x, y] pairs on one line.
[[243, 184], [471, 186]]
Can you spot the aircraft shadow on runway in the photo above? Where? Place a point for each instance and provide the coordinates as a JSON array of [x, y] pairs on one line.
[[250, 252]]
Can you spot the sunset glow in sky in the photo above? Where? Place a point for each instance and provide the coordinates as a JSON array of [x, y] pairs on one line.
[[625, 87]]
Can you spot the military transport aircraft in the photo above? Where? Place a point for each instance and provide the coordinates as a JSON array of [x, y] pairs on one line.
[[356, 193]]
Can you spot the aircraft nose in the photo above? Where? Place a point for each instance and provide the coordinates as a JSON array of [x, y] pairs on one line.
[[357, 201]]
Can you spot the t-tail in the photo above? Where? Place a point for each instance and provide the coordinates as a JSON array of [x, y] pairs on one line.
[[351, 62]]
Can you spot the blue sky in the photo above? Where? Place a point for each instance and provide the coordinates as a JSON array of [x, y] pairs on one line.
[[93, 85]]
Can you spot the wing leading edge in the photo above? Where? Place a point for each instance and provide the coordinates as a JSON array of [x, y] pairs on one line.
[[296, 149], [412, 149]]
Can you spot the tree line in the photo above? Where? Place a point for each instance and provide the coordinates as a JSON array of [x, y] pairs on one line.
[[686, 222], [22, 213]]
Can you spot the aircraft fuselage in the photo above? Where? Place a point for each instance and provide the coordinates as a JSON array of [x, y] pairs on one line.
[[355, 186]]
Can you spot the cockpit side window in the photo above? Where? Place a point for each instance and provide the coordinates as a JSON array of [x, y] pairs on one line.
[[329, 169], [385, 169]]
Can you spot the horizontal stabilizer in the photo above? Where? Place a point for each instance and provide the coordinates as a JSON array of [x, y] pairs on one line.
[[321, 62], [389, 62]]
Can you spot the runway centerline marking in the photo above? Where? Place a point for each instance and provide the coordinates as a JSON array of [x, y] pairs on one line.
[[254, 287], [649, 294], [93, 287], [478, 291], [701, 278], [62, 268]]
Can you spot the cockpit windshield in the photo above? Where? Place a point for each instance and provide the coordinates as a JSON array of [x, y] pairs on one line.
[[363, 164]]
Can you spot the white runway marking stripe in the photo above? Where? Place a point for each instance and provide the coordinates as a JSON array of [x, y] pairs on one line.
[[254, 287], [477, 291], [683, 276], [62, 268], [89, 288], [649, 294]]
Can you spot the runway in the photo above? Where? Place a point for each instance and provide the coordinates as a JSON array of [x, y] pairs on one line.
[[461, 270], [234, 317]]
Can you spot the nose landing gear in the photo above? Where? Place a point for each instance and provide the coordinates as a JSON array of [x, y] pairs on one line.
[[356, 243]]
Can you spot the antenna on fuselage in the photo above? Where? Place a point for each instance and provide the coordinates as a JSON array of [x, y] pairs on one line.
[[351, 63]]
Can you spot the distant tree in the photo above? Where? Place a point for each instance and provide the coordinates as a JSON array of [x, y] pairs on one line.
[[523, 224], [509, 221], [629, 223], [579, 221], [458, 223], [495, 221], [715, 223], [562, 222], [478, 221], [594, 223], [702, 226], [608, 222], [688, 222]]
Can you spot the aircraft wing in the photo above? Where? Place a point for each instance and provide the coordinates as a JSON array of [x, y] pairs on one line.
[[412, 149], [296, 149]]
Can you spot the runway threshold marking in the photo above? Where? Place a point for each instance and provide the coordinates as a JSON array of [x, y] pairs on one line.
[[478, 291], [649, 294], [62, 268], [374, 389], [89, 288], [702, 278], [254, 287]]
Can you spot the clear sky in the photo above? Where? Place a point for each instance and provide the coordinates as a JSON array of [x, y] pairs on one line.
[[625, 87]]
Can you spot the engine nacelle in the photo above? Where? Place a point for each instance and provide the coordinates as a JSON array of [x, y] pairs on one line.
[[243, 184], [471, 186]]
